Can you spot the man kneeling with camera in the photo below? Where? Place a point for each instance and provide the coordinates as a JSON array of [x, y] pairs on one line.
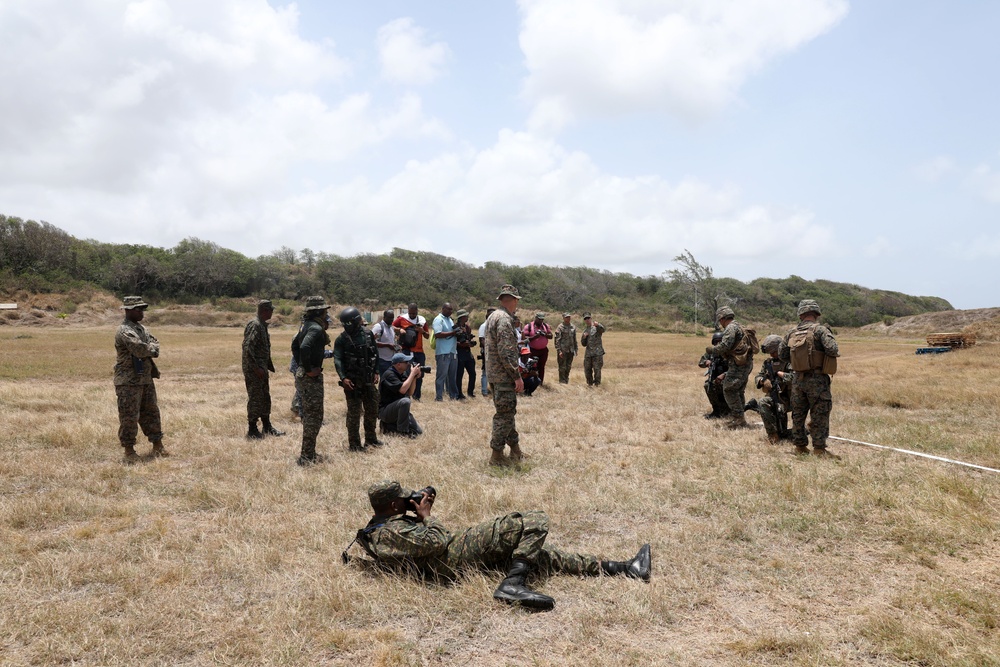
[[396, 388], [515, 542]]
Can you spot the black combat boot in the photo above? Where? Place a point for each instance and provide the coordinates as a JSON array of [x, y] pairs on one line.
[[513, 591], [252, 432], [751, 405], [637, 568], [268, 429]]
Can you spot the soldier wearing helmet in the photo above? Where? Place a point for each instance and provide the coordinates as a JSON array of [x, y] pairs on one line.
[[775, 380], [355, 355], [716, 370], [733, 348]]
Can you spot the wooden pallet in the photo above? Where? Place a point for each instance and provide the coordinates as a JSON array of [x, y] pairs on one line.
[[952, 340]]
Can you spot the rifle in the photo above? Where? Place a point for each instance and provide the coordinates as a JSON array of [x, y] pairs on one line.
[[775, 394]]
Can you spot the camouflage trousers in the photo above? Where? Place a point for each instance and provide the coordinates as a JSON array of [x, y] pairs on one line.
[[592, 369], [363, 399], [565, 364], [137, 407], [494, 544], [716, 397], [311, 392], [734, 386], [775, 417], [258, 396], [811, 394], [504, 426]]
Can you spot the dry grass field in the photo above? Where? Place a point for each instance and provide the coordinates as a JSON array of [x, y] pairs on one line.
[[227, 553]]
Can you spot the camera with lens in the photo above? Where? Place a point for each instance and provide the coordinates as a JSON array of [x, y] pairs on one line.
[[417, 496], [423, 369]]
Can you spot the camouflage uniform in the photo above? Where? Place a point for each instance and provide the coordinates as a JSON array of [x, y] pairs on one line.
[[775, 419], [356, 358], [593, 356], [135, 371], [811, 389], [502, 369], [404, 542], [309, 356], [735, 383], [713, 389], [566, 349], [257, 354]]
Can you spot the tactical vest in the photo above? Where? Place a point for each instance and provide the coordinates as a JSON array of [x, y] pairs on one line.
[[802, 350], [360, 361]]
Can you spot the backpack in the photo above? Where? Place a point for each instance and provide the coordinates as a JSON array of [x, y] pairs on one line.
[[296, 344], [433, 340], [409, 337], [746, 347], [802, 350]]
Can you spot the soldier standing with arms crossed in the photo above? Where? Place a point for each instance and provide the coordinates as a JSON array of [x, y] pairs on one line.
[[135, 371], [505, 377], [256, 366], [307, 351]]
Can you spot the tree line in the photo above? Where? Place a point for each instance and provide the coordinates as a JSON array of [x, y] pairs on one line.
[[39, 257]]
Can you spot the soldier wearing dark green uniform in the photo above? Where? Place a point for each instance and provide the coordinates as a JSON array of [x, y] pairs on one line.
[[256, 366], [355, 354], [135, 370], [808, 347], [307, 351], [514, 543], [775, 380], [732, 348], [502, 355]]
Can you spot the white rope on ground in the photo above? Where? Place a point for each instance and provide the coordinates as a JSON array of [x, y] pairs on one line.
[[921, 454]]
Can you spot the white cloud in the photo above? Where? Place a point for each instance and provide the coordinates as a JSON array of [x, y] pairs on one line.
[[880, 246], [985, 181], [406, 56], [685, 57], [934, 169]]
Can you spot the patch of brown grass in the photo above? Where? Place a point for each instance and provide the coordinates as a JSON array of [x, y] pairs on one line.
[[228, 553]]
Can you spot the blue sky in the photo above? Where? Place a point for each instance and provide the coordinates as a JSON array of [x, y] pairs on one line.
[[855, 141]]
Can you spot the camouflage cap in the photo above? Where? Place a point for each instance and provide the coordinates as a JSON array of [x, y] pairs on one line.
[[770, 343], [384, 492], [316, 303], [130, 302], [723, 313], [586, 316], [265, 303], [509, 290], [461, 313], [539, 316], [567, 314], [808, 306]]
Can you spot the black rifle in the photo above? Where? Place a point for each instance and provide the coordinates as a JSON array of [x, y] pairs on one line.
[[775, 394]]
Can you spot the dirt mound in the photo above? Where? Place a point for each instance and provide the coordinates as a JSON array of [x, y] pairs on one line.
[[984, 322]]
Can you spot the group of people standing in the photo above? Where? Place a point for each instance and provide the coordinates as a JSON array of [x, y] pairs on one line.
[[796, 377]]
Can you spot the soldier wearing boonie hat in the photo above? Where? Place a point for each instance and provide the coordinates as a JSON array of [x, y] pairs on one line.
[[566, 347], [810, 347], [135, 370], [307, 350], [421, 544], [500, 348], [592, 340], [257, 364]]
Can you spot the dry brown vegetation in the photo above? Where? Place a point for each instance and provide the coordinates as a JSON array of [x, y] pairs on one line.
[[228, 553]]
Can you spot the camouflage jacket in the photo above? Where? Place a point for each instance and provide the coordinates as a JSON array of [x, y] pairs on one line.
[[595, 341], [403, 540], [565, 339], [501, 348], [256, 346], [135, 348], [731, 336], [312, 341], [784, 383], [823, 340]]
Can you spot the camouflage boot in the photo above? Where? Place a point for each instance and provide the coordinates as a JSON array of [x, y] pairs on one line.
[[158, 449]]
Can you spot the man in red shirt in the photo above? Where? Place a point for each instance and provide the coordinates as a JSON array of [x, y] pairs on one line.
[[537, 333], [416, 345]]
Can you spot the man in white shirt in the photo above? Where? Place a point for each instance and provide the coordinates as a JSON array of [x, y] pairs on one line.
[[482, 348], [385, 339]]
